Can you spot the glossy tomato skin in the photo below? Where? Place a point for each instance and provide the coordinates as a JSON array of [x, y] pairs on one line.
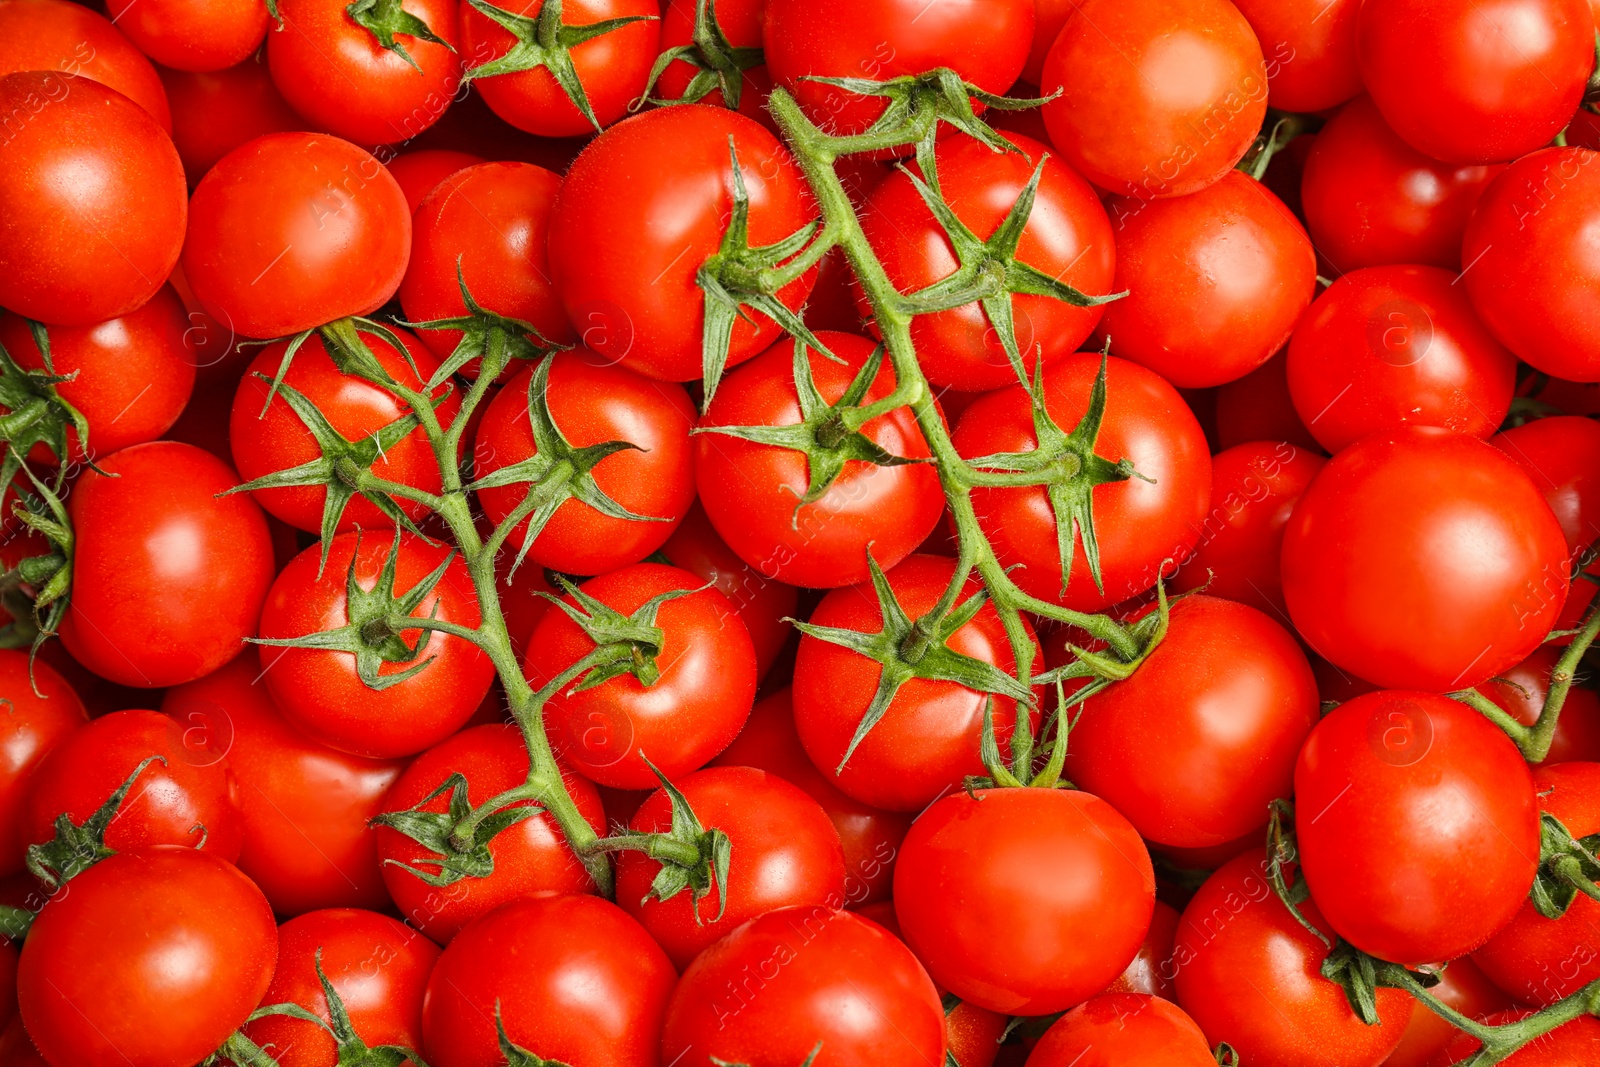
[[628, 288], [1287, 1015], [1521, 690], [190, 36], [1215, 280], [1464, 988], [1138, 523], [694, 709], [1067, 237], [773, 988], [1310, 50], [1429, 828], [928, 739], [1151, 971], [576, 980], [1257, 407], [591, 402], [168, 577], [1384, 571], [1158, 98], [214, 112], [1508, 78], [319, 217], [92, 204], [78, 41], [1562, 456], [420, 171], [1024, 946], [33, 725], [1575, 1042], [305, 806], [1123, 1030], [1386, 347], [153, 958], [531, 857], [750, 490], [789, 855]]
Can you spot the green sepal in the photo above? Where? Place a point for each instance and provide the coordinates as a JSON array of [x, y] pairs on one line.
[[36, 592], [1226, 1055], [342, 341], [1104, 668], [354, 1052], [1567, 866], [1361, 976], [1277, 130], [810, 1059], [487, 335], [78, 846], [719, 64], [940, 91], [633, 640], [36, 414], [515, 1054], [436, 832], [711, 868], [386, 18]]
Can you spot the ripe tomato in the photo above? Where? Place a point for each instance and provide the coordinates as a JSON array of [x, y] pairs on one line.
[[740, 23], [591, 401], [1467, 84], [1151, 971], [16, 1048], [316, 218], [642, 208], [1123, 1030], [152, 958], [31, 726], [928, 738], [217, 111], [1067, 236], [1521, 690], [572, 977], [1257, 407], [753, 492], [1310, 48], [319, 690], [1216, 281], [1575, 1042], [1139, 522], [1464, 988], [168, 576], [1400, 794], [92, 201], [192, 36], [684, 717], [53, 35], [419, 172], [1385, 571], [1049, 17], [1023, 946], [1386, 347], [1158, 97], [1562, 456], [773, 988], [305, 806], [531, 857]]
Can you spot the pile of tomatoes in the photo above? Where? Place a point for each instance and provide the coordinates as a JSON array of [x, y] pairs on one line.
[[799, 533]]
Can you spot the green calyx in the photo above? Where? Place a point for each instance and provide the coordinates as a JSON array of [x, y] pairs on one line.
[[546, 41], [386, 18], [1277, 130], [239, 1051], [36, 592], [459, 836], [711, 850], [624, 644], [1567, 867], [35, 414], [516, 1055], [79, 846], [342, 340], [719, 65], [485, 335]]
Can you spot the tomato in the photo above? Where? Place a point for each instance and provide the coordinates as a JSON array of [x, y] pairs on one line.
[[1151, 971], [1560, 454], [1371, 199], [319, 690], [1123, 1030], [53, 35], [754, 493], [16, 1048], [640, 211], [1216, 281], [928, 738], [318, 219], [740, 23], [33, 725], [773, 988], [592, 402], [985, 42], [1287, 1014], [1257, 407], [706, 683], [1158, 97], [1049, 17], [531, 857], [1067, 236], [572, 977], [1521, 690], [419, 172], [189, 35], [1310, 48], [520, 601], [168, 576], [1254, 488], [217, 111], [1385, 347], [1385, 569], [336, 73], [1575, 1042], [1023, 946], [91, 201], [1467, 84], [1138, 522], [789, 854], [151, 958], [1464, 988], [378, 967], [305, 806], [870, 836]]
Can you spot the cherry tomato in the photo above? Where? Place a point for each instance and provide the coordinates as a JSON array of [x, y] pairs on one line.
[[1049, 17], [189, 35], [53, 35], [1562, 456], [33, 724], [217, 111], [1575, 1042], [1521, 691], [1257, 407], [740, 23], [1464, 988], [421, 171], [16, 1048], [1151, 971], [1310, 48], [1123, 1030]]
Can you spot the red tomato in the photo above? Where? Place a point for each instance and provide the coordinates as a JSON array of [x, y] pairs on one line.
[[168, 576], [192, 35], [1471, 84], [215, 112], [151, 958], [1049, 16], [53, 35], [1067, 237], [419, 172], [1464, 988], [1023, 946], [1310, 48], [1139, 522], [1123, 1030], [642, 209], [305, 807], [32, 725], [1575, 1042], [1387, 347], [753, 492], [740, 23], [572, 977], [1521, 690], [1562, 456], [1158, 97], [520, 601], [1384, 565], [93, 199], [531, 857], [591, 402], [319, 691], [773, 988], [1216, 281], [16, 1048], [1151, 972], [1257, 407], [317, 218]]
